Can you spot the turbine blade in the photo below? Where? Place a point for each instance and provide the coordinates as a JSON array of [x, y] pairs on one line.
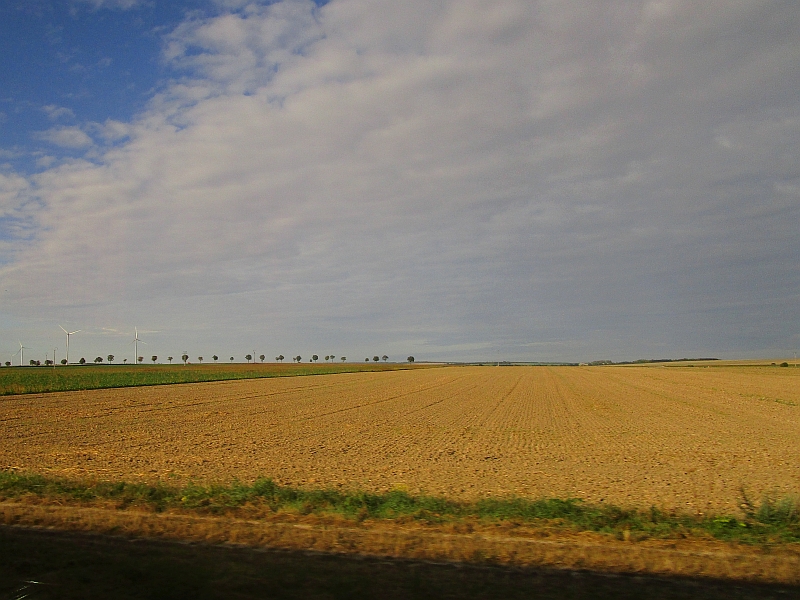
[[64, 330]]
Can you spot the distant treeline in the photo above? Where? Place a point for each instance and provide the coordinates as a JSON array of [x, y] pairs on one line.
[[594, 363], [506, 363], [642, 361]]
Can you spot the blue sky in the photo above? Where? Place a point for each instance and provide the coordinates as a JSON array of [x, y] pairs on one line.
[[70, 62], [454, 180], [77, 61]]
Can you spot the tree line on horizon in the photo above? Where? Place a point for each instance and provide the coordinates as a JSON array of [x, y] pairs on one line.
[[185, 358]]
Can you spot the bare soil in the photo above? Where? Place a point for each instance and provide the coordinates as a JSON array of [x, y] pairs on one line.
[[686, 438]]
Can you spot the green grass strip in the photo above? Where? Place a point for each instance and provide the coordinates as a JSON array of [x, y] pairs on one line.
[[37, 380], [770, 522]]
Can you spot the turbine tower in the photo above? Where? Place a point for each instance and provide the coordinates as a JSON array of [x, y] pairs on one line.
[[21, 353], [136, 341], [69, 333]]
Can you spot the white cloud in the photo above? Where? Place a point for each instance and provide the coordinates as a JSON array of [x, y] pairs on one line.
[[66, 137], [57, 112], [239, 52], [449, 176], [17, 210], [111, 130], [45, 161], [118, 4], [13, 189]]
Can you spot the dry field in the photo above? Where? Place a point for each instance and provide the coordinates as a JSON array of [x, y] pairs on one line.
[[685, 438]]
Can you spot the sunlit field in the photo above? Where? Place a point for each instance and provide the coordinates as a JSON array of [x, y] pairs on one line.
[[691, 439], [676, 470]]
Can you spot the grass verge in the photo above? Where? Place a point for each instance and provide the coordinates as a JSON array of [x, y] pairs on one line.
[[36, 380], [64, 565], [770, 522]]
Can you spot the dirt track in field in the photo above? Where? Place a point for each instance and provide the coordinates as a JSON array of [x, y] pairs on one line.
[[675, 437]]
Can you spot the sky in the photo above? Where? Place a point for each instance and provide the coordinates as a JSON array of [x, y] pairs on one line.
[[454, 180]]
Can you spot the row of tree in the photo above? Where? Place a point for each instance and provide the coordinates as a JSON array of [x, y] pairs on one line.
[[315, 358], [185, 359]]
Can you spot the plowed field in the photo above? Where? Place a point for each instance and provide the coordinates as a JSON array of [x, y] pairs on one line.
[[678, 437]]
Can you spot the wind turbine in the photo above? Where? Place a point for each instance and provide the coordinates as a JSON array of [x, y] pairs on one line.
[[69, 333], [136, 341], [21, 353]]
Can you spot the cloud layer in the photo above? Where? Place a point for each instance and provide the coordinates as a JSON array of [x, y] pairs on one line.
[[531, 180]]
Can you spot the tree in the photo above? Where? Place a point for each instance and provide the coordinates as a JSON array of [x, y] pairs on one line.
[[410, 359], [375, 359], [154, 358], [200, 359], [169, 358], [111, 358], [63, 361], [366, 360], [298, 358], [98, 360], [279, 358], [33, 362], [327, 357], [125, 361], [315, 358], [48, 362], [262, 357], [82, 361], [231, 359], [249, 357], [384, 358], [184, 357], [8, 363], [215, 357], [344, 358], [332, 357], [140, 358]]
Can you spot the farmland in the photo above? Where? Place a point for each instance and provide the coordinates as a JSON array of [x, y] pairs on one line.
[[27, 380], [679, 438]]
